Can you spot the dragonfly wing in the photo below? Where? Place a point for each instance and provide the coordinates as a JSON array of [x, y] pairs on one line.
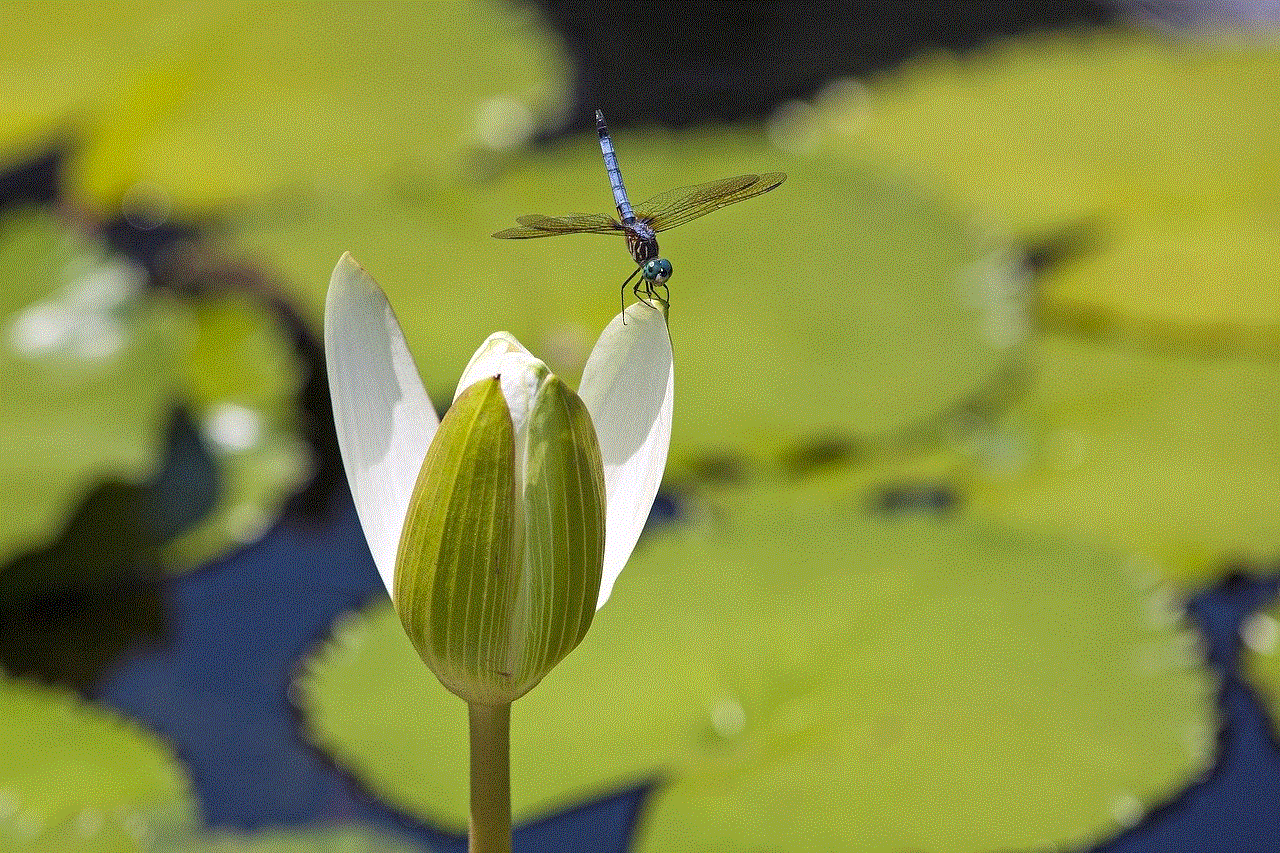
[[537, 225], [678, 206]]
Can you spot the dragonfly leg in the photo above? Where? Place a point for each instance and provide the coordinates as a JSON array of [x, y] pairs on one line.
[[623, 296], [650, 292]]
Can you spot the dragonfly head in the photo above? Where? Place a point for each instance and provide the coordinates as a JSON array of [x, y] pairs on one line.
[[656, 271]]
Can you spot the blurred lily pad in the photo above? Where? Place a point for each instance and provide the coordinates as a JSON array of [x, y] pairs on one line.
[[1163, 149], [1206, 288], [1261, 655], [242, 380], [64, 59], [169, 102], [1153, 430], [812, 678], [1172, 457], [76, 777], [1125, 127], [93, 367], [87, 377]]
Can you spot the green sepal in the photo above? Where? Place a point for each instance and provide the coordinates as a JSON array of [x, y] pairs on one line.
[[564, 522], [457, 574], [500, 560]]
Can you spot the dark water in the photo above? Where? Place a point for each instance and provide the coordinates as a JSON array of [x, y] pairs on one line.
[[1235, 808], [218, 688]]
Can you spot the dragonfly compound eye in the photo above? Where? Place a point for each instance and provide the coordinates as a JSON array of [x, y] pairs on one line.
[[658, 270]]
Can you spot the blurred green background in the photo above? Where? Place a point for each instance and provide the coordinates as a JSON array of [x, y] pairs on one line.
[[963, 411]]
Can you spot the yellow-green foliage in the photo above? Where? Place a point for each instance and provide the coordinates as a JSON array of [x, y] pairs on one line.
[[77, 777], [1162, 151], [343, 840], [93, 365], [817, 678]]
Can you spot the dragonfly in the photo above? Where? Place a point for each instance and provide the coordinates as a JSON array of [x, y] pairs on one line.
[[640, 224]]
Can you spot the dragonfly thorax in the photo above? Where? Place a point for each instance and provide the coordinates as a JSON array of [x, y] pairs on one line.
[[642, 243]]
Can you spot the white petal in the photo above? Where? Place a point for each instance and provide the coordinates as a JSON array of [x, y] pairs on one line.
[[522, 376], [627, 385], [486, 361], [385, 420]]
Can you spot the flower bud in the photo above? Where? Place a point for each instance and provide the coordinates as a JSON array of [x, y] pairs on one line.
[[499, 565]]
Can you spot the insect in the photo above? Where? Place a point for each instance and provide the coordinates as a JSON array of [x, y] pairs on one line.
[[640, 225]]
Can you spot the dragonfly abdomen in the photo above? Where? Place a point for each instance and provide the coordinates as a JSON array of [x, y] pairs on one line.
[[615, 174]]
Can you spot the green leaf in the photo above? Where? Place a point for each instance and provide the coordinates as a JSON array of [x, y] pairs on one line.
[[343, 840], [1205, 287], [1033, 107], [1167, 455], [77, 777], [161, 94], [84, 393], [1171, 233]]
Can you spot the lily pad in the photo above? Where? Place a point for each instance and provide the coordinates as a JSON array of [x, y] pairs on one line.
[[1205, 288], [1125, 127], [93, 365], [1261, 655], [77, 777], [1159, 153], [64, 61], [1152, 427], [175, 113], [241, 379], [1169, 456], [812, 678], [87, 376]]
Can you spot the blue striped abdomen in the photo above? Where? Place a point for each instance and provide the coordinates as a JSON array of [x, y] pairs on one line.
[[615, 174]]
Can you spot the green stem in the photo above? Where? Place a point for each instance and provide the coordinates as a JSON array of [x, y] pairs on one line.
[[490, 778]]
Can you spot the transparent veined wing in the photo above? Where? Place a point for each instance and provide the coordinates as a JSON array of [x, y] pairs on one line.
[[537, 225], [678, 206]]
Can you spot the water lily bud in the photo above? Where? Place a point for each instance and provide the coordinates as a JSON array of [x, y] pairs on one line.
[[499, 566], [487, 529]]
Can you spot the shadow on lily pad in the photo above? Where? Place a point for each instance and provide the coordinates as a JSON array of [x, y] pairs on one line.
[[71, 608]]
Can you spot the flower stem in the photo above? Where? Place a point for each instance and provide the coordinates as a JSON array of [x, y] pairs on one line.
[[490, 778]]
